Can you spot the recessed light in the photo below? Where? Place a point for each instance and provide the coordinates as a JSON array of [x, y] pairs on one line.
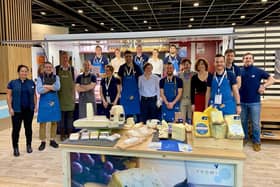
[[102, 24], [196, 4], [263, 1], [86, 30], [80, 11], [43, 13], [267, 22], [149, 27], [73, 24], [135, 7], [233, 24], [191, 19], [145, 21], [242, 17], [190, 26], [112, 29]]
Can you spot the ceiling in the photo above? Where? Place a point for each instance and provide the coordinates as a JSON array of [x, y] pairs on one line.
[[119, 16]]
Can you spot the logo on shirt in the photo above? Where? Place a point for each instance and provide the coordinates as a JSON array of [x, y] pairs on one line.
[[253, 76]]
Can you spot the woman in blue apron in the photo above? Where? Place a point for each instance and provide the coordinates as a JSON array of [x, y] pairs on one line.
[[49, 110], [223, 92], [171, 92], [129, 73]]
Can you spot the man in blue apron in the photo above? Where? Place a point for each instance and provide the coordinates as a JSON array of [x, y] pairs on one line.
[[140, 59], [174, 58], [171, 88], [230, 66], [99, 62], [222, 91], [49, 109], [129, 73], [85, 84], [250, 92]]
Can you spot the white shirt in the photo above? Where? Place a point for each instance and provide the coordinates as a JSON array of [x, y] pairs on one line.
[[157, 66], [116, 63]]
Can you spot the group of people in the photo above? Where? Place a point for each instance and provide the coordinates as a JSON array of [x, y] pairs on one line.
[[147, 88]]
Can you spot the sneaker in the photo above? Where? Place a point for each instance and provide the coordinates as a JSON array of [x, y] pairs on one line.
[[53, 144], [256, 147], [29, 149], [42, 146], [16, 152]]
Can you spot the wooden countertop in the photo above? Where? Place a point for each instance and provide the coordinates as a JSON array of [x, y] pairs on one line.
[[142, 150]]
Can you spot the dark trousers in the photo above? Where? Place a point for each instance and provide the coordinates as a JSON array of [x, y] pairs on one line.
[[66, 123], [26, 115], [148, 108]]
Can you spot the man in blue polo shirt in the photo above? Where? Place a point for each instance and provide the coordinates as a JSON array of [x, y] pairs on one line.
[[173, 58], [99, 62], [140, 58], [250, 91], [230, 66]]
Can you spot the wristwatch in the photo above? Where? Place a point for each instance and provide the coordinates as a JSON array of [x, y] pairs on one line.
[[238, 104]]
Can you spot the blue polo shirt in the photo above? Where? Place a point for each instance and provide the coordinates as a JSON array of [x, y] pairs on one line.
[[140, 61], [234, 69], [251, 80], [100, 63]]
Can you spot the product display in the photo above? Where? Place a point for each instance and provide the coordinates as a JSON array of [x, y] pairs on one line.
[[201, 124], [163, 130], [235, 130], [94, 134], [135, 177], [178, 131], [219, 130]]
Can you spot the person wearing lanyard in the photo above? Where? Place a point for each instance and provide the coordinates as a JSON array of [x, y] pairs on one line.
[[117, 61], [66, 96], [173, 58], [129, 73], [49, 110], [85, 84], [199, 85], [21, 100], [110, 90], [250, 91], [99, 62], [156, 63], [171, 88], [230, 66], [222, 91], [149, 94], [140, 59], [185, 103]]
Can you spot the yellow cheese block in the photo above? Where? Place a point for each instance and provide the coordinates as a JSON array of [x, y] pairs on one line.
[[201, 124], [178, 131]]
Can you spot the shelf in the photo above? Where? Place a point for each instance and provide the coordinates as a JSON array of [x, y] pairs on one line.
[[276, 134]]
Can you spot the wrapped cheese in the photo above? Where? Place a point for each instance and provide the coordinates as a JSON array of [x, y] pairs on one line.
[[219, 130], [178, 131], [201, 124], [216, 117], [235, 130]]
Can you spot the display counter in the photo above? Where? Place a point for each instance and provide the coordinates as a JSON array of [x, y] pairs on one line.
[[201, 166]]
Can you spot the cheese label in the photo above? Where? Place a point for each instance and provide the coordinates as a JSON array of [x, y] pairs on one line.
[[202, 128]]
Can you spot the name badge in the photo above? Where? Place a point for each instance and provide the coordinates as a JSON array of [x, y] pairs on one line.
[[218, 99], [108, 99]]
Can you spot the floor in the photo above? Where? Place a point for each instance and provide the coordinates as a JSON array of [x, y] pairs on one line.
[[44, 169]]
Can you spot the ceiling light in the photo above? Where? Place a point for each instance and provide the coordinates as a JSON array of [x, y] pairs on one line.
[[191, 19], [263, 1], [112, 29], [102, 24], [73, 24], [86, 30], [196, 4], [242, 17], [149, 27], [145, 21], [233, 24], [190, 26], [43, 13], [267, 22], [80, 11], [135, 7]]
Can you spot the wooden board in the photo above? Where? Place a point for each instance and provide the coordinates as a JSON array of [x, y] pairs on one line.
[[275, 137]]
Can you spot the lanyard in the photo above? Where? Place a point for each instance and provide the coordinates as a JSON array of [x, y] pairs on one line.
[[138, 61], [170, 59], [221, 80], [98, 61], [107, 84], [130, 70]]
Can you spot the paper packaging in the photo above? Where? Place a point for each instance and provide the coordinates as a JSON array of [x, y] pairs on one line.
[[201, 124], [219, 130], [216, 118], [235, 130], [89, 110]]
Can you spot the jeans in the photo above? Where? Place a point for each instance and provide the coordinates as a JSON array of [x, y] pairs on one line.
[[252, 111]]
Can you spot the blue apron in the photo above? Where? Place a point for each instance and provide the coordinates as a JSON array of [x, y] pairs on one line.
[[175, 63], [99, 63], [228, 105], [139, 62], [170, 92], [49, 109], [130, 95]]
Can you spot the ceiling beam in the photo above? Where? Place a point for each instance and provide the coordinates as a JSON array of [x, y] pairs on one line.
[[152, 10], [234, 12], [265, 13], [207, 12]]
